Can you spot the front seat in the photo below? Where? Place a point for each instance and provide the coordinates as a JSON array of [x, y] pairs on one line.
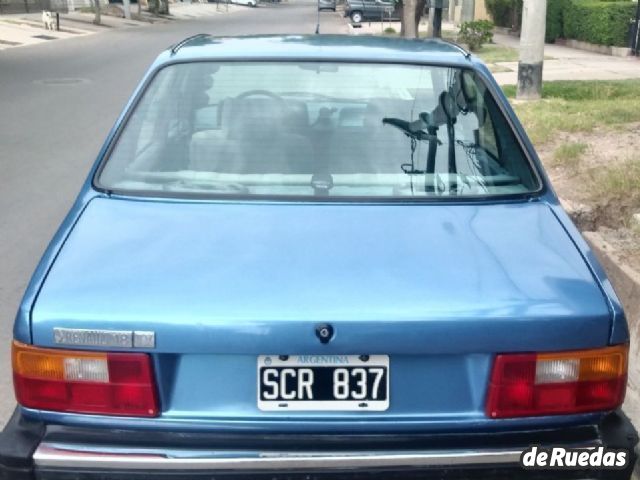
[[255, 141], [256, 131], [212, 150]]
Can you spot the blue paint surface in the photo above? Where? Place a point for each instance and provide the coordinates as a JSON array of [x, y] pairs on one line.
[[440, 287]]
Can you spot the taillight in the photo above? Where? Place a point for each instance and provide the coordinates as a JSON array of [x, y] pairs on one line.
[[557, 383], [84, 382]]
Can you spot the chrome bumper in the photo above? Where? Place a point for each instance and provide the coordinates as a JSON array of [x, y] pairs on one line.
[[71, 457], [32, 450]]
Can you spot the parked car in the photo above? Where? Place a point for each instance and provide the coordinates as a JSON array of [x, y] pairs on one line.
[[360, 10], [315, 257], [249, 3], [327, 5]]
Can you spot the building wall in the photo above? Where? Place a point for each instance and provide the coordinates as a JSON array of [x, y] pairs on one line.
[[481, 12], [34, 6], [466, 10]]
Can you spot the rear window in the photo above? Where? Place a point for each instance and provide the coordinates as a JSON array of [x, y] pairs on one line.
[[317, 130]]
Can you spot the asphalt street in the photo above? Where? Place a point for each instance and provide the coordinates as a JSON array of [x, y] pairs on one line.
[[58, 101]]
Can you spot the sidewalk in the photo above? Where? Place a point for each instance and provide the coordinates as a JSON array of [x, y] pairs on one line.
[[185, 11], [27, 29], [566, 63], [561, 63]]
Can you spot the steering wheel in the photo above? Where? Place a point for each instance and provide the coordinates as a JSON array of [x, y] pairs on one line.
[[262, 93]]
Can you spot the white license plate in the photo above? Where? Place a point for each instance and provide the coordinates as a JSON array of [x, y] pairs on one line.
[[323, 383]]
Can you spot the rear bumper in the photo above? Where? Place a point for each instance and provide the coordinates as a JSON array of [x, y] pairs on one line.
[[31, 450]]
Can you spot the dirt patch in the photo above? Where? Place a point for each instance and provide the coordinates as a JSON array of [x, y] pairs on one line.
[[626, 242], [597, 184]]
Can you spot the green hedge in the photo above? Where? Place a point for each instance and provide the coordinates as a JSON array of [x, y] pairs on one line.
[[603, 22], [555, 20], [502, 11], [600, 22]]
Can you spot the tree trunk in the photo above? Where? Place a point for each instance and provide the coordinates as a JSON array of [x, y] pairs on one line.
[[96, 7], [409, 19], [437, 23], [420, 4], [401, 12], [163, 7], [139, 9]]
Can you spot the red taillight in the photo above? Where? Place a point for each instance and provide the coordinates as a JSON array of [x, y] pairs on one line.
[[557, 383], [84, 382]]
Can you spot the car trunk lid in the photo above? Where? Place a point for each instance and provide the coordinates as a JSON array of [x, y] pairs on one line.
[[439, 289], [256, 278]]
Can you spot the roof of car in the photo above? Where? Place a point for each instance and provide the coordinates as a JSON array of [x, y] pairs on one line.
[[361, 48]]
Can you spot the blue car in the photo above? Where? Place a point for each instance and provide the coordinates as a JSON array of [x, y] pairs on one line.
[[316, 257]]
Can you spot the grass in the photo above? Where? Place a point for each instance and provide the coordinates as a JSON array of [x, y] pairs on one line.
[[494, 68], [492, 53], [599, 109], [579, 106], [449, 36], [616, 187], [620, 181], [586, 90], [569, 155]]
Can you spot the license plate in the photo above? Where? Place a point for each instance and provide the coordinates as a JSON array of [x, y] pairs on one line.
[[323, 383]]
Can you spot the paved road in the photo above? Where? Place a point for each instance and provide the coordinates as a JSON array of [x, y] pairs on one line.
[[50, 134]]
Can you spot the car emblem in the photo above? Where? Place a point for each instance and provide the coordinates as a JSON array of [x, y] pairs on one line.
[[104, 338], [324, 332]]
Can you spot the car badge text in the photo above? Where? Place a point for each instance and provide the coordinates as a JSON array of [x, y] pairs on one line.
[[104, 338]]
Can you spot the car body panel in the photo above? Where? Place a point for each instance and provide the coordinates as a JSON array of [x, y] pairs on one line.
[[212, 286], [250, 3], [102, 271], [338, 424], [376, 10], [327, 4], [323, 47], [138, 265], [619, 326]]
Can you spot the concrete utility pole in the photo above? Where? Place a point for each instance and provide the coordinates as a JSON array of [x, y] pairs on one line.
[[452, 11], [534, 15]]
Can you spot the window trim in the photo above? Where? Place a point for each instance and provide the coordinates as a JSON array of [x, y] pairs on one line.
[[474, 199]]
